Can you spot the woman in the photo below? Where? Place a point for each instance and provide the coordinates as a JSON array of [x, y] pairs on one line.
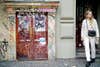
[[89, 35]]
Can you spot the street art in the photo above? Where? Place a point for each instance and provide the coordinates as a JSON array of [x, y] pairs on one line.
[[5, 25], [3, 48], [11, 19]]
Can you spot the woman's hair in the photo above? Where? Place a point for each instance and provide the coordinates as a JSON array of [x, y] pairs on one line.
[[87, 12]]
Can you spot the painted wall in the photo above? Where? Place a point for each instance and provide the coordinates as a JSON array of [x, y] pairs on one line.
[[7, 49]]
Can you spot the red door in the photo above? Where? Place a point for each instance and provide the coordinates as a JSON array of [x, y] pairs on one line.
[[31, 35]]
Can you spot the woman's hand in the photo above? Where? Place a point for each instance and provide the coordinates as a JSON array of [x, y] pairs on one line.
[[97, 40], [82, 39]]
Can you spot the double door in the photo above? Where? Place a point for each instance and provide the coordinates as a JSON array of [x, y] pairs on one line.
[[32, 35]]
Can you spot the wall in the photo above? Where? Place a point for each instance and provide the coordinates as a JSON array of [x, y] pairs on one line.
[[98, 19], [7, 49], [66, 30]]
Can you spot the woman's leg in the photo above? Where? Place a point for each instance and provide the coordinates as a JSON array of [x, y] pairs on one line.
[[93, 49], [87, 49]]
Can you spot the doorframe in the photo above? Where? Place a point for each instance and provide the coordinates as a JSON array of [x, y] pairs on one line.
[[75, 25]]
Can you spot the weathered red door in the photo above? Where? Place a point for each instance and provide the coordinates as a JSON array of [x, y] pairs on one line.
[[31, 35]]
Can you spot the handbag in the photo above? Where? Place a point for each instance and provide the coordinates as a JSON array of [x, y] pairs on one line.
[[91, 33]]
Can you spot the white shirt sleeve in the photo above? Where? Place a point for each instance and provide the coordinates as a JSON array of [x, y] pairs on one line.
[[83, 29]]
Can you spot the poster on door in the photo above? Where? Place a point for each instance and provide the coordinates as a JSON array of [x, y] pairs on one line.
[[40, 22], [24, 20]]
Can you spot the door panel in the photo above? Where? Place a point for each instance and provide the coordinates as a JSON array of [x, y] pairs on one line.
[[40, 36], [23, 22]]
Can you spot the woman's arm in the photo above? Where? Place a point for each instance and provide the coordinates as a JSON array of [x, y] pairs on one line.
[[83, 30], [97, 29], [97, 32]]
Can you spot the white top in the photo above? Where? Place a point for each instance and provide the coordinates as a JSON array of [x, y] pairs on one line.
[[86, 26]]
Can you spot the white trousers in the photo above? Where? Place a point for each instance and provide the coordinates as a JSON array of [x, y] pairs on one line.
[[90, 50]]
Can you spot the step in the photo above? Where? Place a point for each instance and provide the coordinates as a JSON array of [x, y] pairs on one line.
[[82, 55], [83, 50]]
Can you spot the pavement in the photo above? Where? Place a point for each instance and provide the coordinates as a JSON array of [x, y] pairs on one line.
[[50, 63]]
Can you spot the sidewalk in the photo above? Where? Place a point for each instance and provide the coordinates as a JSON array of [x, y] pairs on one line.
[[53, 63]]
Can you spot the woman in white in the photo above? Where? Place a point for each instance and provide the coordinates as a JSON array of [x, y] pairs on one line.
[[89, 24]]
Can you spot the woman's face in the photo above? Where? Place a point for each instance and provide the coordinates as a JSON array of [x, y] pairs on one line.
[[89, 15]]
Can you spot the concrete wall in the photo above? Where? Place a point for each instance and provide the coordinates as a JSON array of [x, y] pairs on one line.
[[65, 35]]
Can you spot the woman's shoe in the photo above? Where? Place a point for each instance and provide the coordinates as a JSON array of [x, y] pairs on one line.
[[92, 60], [88, 64]]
